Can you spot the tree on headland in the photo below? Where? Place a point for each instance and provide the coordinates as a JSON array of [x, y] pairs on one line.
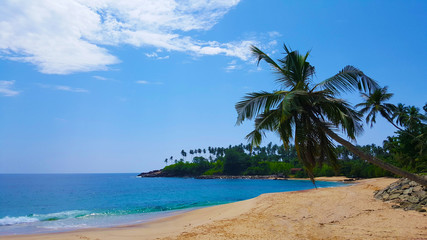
[[310, 113]]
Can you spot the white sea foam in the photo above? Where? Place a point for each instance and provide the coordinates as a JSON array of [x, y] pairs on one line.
[[6, 221], [60, 215]]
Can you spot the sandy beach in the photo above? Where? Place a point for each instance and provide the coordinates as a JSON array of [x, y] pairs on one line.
[[348, 212]]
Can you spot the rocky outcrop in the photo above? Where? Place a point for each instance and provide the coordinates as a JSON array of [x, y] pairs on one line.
[[154, 173], [271, 177], [407, 194]]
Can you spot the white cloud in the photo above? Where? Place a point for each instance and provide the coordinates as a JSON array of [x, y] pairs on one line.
[[147, 82], [142, 82], [232, 66], [62, 37], [63, 88], [274, 34], [101, 78], [151, 55], [70, 89], [5, 88], [156, 56], [272, 43], [229, 68]]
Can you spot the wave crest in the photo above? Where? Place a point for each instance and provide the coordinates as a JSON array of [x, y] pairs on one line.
[[7, 221]]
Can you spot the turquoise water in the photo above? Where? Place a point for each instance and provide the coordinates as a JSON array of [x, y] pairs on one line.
[[38, 203]]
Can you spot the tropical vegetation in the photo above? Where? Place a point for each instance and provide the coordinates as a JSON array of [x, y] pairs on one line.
[[273, 159], [310, 113]]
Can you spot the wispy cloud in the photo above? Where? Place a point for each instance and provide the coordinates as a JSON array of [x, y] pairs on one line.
[[63, 88], [232, 66], [70, 89], [45, 34], [6, 88], [147, 82], [156, 56], [101, 78], [274, 34]]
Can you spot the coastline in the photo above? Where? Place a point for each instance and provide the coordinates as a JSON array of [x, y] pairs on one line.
[[275, 177], [348, 212]]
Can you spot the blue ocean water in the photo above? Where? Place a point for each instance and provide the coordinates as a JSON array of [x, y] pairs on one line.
[[37, 203]]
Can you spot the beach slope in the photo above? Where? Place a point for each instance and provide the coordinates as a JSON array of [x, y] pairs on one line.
[[348, 212]]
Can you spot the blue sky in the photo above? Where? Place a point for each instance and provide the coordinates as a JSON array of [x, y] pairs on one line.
[[117, 86]]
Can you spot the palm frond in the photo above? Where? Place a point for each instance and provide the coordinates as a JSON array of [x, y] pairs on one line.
[[255, 138], [347, 80], [338, 112], [268, 121], [284, 76], [256, 103]]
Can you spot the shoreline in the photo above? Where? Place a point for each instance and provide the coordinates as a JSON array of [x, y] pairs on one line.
[[134, 219], [308, 214], [158, 173]]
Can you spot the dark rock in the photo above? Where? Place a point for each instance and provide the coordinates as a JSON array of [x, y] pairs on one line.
[[385, 196], [419, 194], [350, 179], [379, 194], [394, 196], [407, 191], [396, 191], [413, 184], [408, 194], [415, 207], [413, 199], [154, 173], [273, 177]]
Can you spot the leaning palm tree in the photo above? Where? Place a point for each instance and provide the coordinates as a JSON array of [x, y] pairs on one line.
[[310, 113]]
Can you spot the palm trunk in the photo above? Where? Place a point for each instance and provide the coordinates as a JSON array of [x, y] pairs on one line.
[[403, 131], [376, 161]]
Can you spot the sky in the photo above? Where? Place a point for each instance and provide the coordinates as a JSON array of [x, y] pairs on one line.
[[92, 86]]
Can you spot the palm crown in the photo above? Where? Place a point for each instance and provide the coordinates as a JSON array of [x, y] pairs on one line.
[[376, 103], [309, 113], [302, 110]]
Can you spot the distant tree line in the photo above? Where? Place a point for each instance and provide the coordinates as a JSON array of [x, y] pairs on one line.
[[406, 149]]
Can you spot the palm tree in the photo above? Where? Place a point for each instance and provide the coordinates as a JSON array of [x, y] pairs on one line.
[[310, 113], [413, 118], [400, 113], [376, 103]]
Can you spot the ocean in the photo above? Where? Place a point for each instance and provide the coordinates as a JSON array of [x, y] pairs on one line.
[[41, 203]]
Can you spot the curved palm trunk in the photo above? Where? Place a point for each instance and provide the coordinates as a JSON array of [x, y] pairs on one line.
[[403, 131], [391, 121], [374, 160]]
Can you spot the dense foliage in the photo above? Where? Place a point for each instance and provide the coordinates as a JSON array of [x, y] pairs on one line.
[[272, 160], [406, 149]]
